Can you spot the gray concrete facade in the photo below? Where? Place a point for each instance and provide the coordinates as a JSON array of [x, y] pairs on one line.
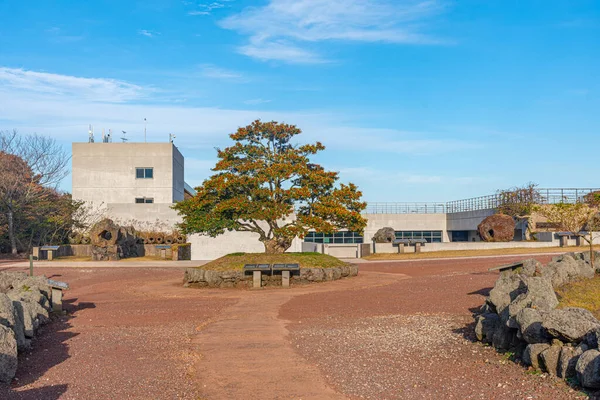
[[104, 175]]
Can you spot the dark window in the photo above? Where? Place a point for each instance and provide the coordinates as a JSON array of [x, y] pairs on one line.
[[142, 200], [430, 236], [144, 173], [337, 237]]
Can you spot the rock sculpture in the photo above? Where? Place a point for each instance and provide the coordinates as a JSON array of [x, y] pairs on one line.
[[497, 228], [385, 235], [111, 242]]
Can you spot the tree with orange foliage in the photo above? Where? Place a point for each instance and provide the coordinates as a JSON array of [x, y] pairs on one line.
[[267, 185]]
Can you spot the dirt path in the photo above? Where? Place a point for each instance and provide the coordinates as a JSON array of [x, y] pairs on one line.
[[247, 354]]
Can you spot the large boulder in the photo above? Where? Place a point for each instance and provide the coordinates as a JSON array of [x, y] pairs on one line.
[[570, 324], [531, 355], [497, 228], [588, 369], [385, 235], [9, 317], [531, 330], [569, 356], [507, 288], [551, 356], [8, 354], [567, 268], [485, 327]]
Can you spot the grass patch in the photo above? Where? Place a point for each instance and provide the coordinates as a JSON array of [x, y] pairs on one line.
[[583, 294], [476, 253], [236, 261]]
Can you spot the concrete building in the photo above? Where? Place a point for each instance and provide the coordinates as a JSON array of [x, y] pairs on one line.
[[133, 182]]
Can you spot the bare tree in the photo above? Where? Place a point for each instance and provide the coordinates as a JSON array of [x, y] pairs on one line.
[[520, 203], [28, 165]]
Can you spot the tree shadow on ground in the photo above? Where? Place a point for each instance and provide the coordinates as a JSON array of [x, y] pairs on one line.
[[48, 349]]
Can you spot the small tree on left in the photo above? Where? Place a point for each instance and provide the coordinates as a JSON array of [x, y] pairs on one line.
[[31, 167]]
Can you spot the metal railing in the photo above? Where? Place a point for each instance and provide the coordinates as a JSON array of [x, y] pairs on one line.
[[546, 196], [405, 208]]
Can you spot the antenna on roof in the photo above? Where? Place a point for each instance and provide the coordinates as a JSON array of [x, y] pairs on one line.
[[144, 130], [91, 134], [103, 136], [171, 137], [109, 136], [123, 138]]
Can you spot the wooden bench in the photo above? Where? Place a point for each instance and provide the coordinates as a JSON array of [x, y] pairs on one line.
[[57, 289]]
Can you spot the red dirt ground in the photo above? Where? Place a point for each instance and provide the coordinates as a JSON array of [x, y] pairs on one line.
[[397, 331]]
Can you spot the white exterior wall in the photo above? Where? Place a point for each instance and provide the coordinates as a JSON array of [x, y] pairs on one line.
[[405, 222], [105, 172]]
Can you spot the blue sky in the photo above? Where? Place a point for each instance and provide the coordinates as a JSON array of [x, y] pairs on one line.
[[422, 100]]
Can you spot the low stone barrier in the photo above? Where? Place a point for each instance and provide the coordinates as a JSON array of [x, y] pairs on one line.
[[198, 277], [520, 316], [25, 304]]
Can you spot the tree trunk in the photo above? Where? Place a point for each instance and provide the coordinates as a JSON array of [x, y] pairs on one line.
[[11, 232], [277, 245]]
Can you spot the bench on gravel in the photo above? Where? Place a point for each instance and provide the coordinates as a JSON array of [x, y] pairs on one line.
[[286, 270], [257, 270], [57, 289]]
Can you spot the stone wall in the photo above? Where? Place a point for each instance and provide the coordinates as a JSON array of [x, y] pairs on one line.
[[25, 304], [520, 316], [198, 277]]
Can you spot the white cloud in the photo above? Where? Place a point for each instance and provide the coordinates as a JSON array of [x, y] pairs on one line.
[[91, 89], [147, 33], [198, 13], [254, 102], [285, 24], [207, 8], [212, 71]]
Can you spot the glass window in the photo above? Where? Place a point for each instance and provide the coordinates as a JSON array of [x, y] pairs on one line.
[[144, 200], [337, 237], [429, 236], [144, 173], [139, 200]]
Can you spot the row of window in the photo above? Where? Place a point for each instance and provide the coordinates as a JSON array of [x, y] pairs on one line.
[[353, 237], [337, 237], [144, 200], [430, 236]]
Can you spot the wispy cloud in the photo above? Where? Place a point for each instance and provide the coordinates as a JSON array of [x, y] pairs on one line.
[[207, 8], [254, 102], [92, 89], [57, 35], [147, 33], [287, 25], [212, 71]]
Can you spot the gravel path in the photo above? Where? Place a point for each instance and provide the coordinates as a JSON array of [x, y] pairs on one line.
[[397, 331]]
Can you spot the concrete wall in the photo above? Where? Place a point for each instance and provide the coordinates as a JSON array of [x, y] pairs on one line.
[[144, 216], [406, 222], [105, 172], [389, 248], [467, 220]]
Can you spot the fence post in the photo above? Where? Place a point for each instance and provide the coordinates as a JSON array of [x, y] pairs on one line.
[[31, 265]]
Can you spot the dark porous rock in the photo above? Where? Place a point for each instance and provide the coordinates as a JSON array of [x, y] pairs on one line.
[[385, 235], [566, 268], [10, 317], [8, 354], [531, 355], [486, 326], [592, 339], [507, 288], [497, 228], [568, 360], [538, 294], [588, 369], [531, 330], [551, 356], [569, 324], [504, 337], [531, 267]]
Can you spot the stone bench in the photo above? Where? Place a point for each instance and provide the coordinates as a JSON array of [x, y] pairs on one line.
[[38, 252], [258, 269], [401, 243], [57, 292]]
